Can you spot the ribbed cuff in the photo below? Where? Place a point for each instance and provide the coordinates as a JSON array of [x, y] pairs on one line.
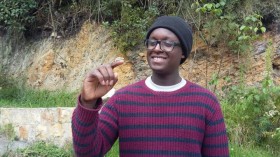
[[86, 114]]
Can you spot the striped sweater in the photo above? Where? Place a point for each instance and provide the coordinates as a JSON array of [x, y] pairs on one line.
[[185, 122]]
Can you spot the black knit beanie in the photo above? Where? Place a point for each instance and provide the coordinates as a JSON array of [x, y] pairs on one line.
[[179, 27]]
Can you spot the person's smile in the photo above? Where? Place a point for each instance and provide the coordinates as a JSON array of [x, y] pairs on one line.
[[158, 59]]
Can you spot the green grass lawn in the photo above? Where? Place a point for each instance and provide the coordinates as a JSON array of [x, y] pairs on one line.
[[14, 97]]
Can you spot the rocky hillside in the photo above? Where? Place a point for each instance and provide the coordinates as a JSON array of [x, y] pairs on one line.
[[58, 63]]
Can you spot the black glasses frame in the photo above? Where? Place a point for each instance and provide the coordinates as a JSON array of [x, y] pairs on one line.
[[173, 44]]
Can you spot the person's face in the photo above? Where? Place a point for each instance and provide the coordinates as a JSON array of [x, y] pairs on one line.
[[159, 60]]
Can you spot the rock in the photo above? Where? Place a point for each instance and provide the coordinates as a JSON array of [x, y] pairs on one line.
[[260, 47]]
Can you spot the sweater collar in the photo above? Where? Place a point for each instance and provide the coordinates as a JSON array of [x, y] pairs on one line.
[[150, 84]]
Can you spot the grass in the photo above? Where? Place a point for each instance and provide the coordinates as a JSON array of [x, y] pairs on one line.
[[13, 93], [249, 151], [24, 97], [41, 149]]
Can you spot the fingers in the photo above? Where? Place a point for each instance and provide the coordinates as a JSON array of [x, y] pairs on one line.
[[118, 61], [109, 77], [105, 73]]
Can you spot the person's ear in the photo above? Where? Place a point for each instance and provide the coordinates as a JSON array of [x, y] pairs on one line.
[[183, 56]]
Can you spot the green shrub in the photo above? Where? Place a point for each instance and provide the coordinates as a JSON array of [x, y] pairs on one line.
[[233, 30], [8, 131], [253, 114], [130, 30], [16, 14], [134, 18], [249, 151], [42, 149]]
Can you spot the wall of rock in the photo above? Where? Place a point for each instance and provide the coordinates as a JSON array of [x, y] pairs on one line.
[[39, 124]]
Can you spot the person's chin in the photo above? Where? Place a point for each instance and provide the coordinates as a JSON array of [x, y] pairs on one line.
[[157, 67]]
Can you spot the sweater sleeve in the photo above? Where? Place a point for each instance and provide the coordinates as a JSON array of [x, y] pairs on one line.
[[215, 143], [91, 131]]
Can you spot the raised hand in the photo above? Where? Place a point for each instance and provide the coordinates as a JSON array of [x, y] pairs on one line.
[[98, 82]]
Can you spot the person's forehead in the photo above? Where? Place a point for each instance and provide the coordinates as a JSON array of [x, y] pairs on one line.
[[163, 32]]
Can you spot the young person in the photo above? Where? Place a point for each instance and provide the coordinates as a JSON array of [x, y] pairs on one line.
[[162, 115]]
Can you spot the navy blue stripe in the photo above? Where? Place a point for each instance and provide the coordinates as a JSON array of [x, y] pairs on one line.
[[112, 128], [210, 96], [161, 152], [83, 135], [81, 145], [216, 156], [86, 145], [167, 126], [195, 86], [179, 94], [84, 153], [179, 114], [221, 145], [83, 124], [219, 121], [110, 141], [216, 134], [134, 93], [137, 86], [160, 139], [90, 152], [115, 131], [110, 116], [111, 107], [175, 104]]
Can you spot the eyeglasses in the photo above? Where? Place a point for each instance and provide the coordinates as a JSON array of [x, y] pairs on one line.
[[165, 45]]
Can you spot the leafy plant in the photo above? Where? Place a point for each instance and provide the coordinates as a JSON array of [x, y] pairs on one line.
[[247, 33], [130, 30], [16, 14], [237, 33], [8, 131], [253, 113], [44, 149]]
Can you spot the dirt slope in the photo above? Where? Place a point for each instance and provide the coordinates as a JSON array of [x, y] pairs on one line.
[[55, 64]]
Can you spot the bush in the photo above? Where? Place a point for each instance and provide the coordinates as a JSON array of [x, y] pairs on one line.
[[42, 149], [16, 14], [253, 115], [130, 30], [235, 29]]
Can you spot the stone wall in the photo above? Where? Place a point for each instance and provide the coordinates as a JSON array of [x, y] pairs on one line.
[[39, 124]]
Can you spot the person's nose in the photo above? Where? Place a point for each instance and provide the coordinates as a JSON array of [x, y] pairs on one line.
[[157, 48]]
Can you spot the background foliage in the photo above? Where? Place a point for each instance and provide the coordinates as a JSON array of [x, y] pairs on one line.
[[252, 113], [129, 19]]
